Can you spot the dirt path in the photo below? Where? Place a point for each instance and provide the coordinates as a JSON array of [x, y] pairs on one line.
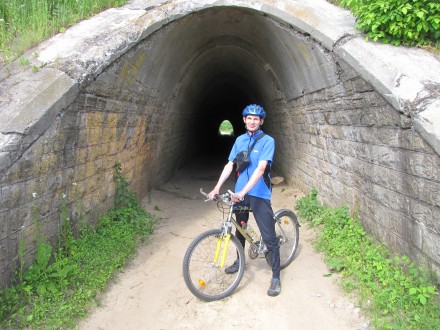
[[151, 293]]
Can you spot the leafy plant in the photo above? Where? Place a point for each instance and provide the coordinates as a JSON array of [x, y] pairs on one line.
[[61, 285], [407, 22], [393, 291], [123, 197], [309, 207]]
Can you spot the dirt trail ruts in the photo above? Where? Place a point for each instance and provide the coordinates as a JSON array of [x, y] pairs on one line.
[[151, 293]]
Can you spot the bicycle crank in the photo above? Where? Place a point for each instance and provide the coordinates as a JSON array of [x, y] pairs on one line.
[[253, 251]]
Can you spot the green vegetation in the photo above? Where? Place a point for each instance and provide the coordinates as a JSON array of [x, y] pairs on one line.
[[25, 23], [393, 292], [226, 128], [398, 22], [61, 285]]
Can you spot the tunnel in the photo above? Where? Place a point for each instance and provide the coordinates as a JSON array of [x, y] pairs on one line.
[[207, 66], [155, 101]]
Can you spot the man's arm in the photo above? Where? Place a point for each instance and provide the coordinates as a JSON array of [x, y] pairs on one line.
[[223, 177]]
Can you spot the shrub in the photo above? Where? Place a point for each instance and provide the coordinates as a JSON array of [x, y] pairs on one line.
[[407, 22]]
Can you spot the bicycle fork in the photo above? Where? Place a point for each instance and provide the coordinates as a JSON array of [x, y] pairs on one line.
[[222, 242]]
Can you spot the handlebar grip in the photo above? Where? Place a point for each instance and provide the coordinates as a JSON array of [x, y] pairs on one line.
[[215, 198], [233, 194]]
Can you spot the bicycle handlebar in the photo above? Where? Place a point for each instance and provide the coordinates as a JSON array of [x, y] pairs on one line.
[[218, 197]]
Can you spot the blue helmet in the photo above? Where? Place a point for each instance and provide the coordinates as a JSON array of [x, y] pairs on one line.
[[255, 110]]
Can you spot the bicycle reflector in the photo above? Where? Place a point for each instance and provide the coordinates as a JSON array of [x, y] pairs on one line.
[[202, 283], [286, 221]]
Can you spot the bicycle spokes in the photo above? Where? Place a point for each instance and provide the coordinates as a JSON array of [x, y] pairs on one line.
[[204, 265]]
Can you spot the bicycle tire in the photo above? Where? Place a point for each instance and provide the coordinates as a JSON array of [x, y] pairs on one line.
[[287, 230], [206, 279]]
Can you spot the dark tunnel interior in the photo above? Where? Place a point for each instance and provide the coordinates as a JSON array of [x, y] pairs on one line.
[[223, 98]]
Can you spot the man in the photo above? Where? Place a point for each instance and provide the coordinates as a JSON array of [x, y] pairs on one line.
[[254, 188]]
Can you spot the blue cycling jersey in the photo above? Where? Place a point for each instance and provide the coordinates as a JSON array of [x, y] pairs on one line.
[[263, 150]]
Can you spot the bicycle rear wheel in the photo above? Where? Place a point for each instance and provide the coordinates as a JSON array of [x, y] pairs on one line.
[[287, 229], [204, 276]]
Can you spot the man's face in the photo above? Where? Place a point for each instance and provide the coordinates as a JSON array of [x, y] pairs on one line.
[[253, 122]]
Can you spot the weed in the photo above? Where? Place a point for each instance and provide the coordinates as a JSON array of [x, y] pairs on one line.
[[23, 61], [21, 252], [66, 232]]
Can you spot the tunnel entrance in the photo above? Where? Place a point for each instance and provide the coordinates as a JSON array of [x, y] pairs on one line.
[[154, 101], [215, 62], [195, 72]]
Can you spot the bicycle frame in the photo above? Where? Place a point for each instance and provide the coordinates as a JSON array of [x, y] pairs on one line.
[[227, 230]]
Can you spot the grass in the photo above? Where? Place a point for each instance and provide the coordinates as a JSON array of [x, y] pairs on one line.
[[26, 23], [393, 292], [60, 287]]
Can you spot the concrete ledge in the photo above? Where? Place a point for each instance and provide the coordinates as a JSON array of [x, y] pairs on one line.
[[88, 47], [323, 21], [34, 104], [408, 78], [43, 94], [427, 123]]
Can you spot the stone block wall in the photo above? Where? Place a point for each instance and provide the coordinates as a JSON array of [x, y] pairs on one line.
[[116, 117], [73, 159], [357, 150]]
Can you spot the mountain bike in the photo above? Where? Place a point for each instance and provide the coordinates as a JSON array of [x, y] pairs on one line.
[[212, 251]]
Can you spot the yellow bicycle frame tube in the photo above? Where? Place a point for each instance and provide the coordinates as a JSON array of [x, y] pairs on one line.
[[220, 241]]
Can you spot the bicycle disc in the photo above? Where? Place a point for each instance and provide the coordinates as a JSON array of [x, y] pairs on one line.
[[287, 230], [204, 276]]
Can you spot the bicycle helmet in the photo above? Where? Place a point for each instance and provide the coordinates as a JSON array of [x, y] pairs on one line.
[[255, 110]]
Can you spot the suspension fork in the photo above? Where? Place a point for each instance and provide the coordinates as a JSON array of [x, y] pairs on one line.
[[223, 241]]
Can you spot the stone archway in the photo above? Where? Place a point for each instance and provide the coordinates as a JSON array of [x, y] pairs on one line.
[[149, 87]]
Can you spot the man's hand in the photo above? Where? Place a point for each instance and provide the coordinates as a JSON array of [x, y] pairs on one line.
[[213, 193], [237, 197], [225, 174]]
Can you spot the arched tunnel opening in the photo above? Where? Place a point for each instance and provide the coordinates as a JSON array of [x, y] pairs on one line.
[[156, 106], [207, 66]]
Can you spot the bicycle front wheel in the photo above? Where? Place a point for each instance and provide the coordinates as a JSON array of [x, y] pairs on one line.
[[204, 266], [287, 230]]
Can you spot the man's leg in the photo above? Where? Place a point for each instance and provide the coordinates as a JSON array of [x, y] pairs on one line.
[[264, 216]]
